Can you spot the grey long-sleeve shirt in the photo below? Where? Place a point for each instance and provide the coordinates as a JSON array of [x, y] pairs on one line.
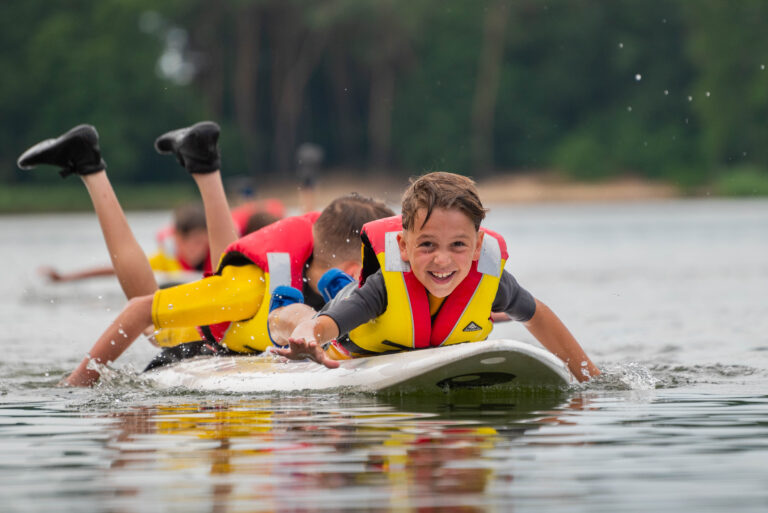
[[355, 305]]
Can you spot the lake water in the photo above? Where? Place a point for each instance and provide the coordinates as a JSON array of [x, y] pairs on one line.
[[669, 298]]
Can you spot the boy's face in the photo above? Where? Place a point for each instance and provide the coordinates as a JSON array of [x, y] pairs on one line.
[[440, 252], [193, 246]]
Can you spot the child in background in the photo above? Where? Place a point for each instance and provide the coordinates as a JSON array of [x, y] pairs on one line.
[[231, 305], [431, 277], [182, 248]]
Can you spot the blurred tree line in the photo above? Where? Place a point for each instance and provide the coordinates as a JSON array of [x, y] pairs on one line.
[[664, 89]]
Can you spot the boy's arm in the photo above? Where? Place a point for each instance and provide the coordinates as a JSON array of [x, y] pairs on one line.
[[553, 335], [134, 318], [350, 308], [308, 338], [54, 275], [282, 321]]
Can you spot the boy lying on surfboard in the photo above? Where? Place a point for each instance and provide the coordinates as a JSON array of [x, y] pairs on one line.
[[430, 277], [231, 306]]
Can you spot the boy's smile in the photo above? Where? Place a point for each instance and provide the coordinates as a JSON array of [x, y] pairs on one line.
[[441, 251]]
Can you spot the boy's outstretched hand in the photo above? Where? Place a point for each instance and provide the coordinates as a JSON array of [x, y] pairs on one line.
[[300, 349], [303, 342]]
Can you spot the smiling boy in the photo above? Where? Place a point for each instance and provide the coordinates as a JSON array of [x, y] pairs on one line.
[[431, 277]]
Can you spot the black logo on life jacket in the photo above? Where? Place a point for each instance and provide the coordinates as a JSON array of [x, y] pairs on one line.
[[472, 327]]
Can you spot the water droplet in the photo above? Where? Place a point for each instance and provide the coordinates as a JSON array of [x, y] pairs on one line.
[[112, 342], [621, 45], [629, 108], [762, 66], [100, 297], [690, 98], [638, 77], [707, 93], [666, 92], [170, 306]]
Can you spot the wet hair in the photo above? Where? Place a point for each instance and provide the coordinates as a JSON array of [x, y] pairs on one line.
[[441, 190], [259, 220], [337, 230], [188, 218]]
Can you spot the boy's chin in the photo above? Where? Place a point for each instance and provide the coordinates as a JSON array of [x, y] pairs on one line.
[[441, 292]]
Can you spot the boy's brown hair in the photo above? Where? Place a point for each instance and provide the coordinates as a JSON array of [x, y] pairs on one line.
[[337, 230], [259, 220], [442, 190], [188, 218]]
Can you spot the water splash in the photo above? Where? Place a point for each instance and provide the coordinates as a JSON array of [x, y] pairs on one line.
[[625, 376]]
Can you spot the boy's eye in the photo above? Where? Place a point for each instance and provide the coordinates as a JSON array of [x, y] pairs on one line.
[[425, 244], [459, 244]]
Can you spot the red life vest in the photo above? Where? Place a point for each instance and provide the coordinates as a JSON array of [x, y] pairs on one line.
[[242, 213], [281, 250], [463, 316]]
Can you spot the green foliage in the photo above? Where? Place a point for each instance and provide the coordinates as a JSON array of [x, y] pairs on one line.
[[432, 113], [728, 45], [582, 156], [71, 196], [742, 181], [84, 62], [665, 89]]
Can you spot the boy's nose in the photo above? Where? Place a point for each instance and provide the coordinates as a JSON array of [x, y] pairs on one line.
[[441, 258]]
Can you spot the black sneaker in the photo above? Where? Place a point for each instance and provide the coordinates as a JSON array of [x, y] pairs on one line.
[[76, 151], [195, 147]]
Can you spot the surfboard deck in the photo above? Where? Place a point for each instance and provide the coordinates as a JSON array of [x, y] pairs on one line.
[[491, 364]]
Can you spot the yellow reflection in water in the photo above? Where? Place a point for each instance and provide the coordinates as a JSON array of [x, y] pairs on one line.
[[292, 451]]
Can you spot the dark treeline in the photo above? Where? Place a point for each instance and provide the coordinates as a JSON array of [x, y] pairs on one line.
[[668, 89]]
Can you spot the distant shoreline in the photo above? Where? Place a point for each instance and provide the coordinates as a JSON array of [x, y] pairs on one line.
[[500, 189]]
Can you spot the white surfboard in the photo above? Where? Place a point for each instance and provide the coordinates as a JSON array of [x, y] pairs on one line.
[[489, 364]]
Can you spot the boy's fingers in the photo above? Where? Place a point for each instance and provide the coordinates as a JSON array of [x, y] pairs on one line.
[[330, 363]]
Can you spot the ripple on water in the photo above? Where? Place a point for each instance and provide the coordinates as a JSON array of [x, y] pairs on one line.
[[671, 376]]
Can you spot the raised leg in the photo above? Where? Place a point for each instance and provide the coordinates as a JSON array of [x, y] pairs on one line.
[[128, 258], [196, 148], [77, 152]]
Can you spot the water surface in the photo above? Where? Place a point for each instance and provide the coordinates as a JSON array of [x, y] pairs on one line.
[[669, 298]]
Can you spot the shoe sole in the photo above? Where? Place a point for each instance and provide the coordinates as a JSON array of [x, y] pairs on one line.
[[39, 149]]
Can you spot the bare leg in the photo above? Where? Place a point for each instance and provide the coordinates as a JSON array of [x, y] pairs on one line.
[[131, 265], [77, 152], [196, 148], [221, 228]]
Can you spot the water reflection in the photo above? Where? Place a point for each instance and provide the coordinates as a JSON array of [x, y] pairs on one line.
[[314, 454]]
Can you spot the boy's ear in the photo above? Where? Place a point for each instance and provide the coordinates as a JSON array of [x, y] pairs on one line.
[[352, 268], [401, 245], [479, 246]]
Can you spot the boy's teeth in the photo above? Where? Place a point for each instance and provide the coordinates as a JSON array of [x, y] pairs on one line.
[[442, 275]]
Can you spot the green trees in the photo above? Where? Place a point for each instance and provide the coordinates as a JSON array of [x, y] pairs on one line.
[[664, 89]]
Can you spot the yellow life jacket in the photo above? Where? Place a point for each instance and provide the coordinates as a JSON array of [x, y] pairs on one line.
[[280, 250], [406, 323]]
